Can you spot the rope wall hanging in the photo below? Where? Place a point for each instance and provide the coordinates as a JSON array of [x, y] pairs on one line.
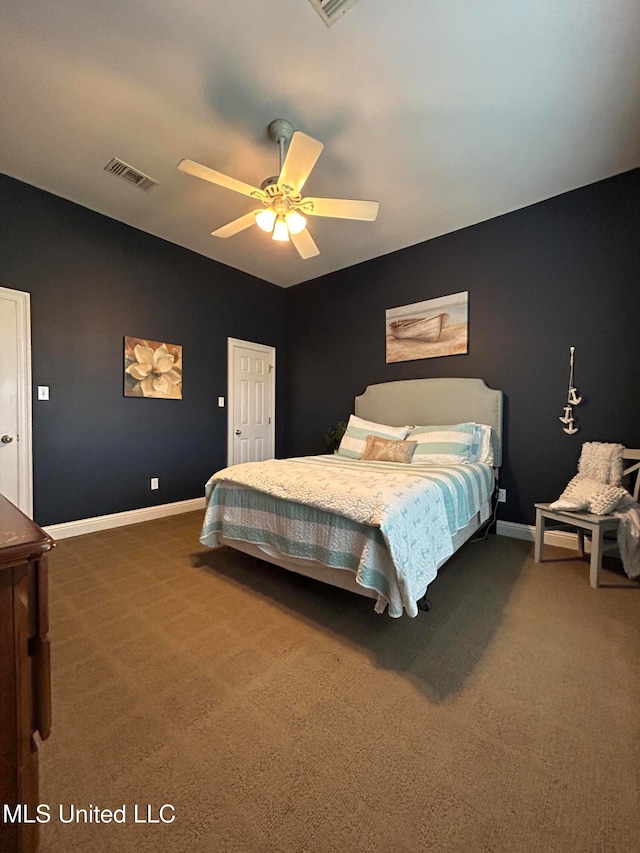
[[572, 400]]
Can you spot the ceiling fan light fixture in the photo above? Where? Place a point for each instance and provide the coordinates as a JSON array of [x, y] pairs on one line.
[[280, 230], [295, 222], [284, 211], [265, 219]]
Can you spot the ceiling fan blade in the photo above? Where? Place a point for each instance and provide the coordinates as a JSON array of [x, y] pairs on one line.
[[207, 174], [301, 157], [303, 241], [340, 208], [237, 225]]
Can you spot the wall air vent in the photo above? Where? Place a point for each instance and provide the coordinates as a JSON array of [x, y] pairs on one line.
[[128, 173], [332, 10]]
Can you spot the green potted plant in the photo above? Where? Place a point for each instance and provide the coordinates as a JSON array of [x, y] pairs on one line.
[[333, 436]]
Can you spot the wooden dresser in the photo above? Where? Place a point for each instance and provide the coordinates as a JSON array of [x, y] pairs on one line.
[[25, 692]]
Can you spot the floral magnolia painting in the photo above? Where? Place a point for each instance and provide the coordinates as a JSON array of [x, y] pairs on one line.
[[152, 369]]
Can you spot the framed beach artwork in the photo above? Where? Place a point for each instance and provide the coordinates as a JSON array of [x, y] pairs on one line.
[[429, 329], [152, 369]]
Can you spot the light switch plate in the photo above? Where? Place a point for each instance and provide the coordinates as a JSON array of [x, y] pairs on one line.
[[43, 392], [221, 402]]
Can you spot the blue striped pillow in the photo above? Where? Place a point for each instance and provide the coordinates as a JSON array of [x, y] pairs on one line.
[[355, 437], [482, 448], [442, 445]]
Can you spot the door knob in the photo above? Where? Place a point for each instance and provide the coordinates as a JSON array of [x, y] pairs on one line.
[[238, 432], [6, 439]]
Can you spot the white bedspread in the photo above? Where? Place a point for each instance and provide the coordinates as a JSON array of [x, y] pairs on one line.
[[418, 509]]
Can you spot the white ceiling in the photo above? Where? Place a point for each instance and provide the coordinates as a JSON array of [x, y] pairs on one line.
[[448, 113]]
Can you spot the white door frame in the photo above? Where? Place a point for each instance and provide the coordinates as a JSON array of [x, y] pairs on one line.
[[271, 351], [23, 353]]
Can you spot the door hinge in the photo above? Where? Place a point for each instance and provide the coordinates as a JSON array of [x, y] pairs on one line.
[[270, 368], [269, 420]]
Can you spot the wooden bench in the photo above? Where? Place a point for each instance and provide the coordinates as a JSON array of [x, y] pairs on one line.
[[595, 526]]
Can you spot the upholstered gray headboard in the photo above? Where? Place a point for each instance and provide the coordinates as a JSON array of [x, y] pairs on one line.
[[434, 401]]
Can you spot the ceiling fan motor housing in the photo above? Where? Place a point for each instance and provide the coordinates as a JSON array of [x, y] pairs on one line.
[[278, 200], [269, 182]]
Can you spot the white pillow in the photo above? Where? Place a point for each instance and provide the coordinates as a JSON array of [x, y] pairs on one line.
[[355, 437], [592, 495], [442, 445], [481, 448]]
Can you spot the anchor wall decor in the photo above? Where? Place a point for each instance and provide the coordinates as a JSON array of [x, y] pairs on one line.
[[573, 399]]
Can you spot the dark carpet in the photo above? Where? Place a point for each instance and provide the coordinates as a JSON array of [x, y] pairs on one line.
[[275, 713]]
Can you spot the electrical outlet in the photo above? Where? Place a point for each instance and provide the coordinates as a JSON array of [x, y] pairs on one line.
[[154, 483], [502, 496]]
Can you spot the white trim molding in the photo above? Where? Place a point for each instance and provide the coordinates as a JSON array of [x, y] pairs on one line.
[[121, 519], [67, 529], [22, 301], [515, 531], [559, 538]]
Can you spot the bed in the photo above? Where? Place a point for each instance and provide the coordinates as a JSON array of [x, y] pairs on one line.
[[380, 529]]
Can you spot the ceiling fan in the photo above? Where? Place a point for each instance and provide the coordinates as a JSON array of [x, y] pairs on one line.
[[283, 210]]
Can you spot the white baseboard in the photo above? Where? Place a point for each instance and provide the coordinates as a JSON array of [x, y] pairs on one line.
[[559, 538], [120, 519], [515, 531]]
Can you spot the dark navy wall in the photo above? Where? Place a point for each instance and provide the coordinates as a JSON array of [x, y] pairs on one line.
[[92, 281], [561, 273]]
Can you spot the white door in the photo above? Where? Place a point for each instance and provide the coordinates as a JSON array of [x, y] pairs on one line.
[[15, 399], [251, 400]]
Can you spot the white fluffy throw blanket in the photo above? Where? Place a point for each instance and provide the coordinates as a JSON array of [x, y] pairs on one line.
[[628, 511]]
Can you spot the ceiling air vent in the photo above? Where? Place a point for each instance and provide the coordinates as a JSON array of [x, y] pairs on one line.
[[332, 10], [128, 173]]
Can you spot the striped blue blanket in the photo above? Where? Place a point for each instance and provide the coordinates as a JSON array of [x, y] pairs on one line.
[[391, 524]]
